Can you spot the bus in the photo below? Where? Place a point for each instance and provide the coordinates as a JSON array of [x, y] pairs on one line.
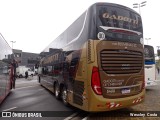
[[150, 66], [6, 70], [97, 63]]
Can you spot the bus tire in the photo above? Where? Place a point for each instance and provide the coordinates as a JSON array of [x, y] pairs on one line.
[[64, 96], [57, 91]]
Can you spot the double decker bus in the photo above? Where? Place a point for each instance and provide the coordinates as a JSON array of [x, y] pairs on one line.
[[97, 63], [150, 66], [6, 70]]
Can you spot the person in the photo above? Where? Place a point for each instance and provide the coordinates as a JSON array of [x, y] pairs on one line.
[[14, 64], [158, 69], [26, 74], [10, 71]]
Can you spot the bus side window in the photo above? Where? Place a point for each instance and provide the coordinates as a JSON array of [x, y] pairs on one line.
[[44, 70], [72, 70], [65, 70], [65, 66], [49, 68], [55, 70], [39, 70]]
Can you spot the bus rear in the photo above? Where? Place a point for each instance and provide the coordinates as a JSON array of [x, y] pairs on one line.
[[115, 59]]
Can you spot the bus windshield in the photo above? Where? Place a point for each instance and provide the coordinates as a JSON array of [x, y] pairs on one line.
[[119, 23], [149, 54]]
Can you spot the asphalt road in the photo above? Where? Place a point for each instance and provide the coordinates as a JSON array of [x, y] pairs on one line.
[[30, 96]]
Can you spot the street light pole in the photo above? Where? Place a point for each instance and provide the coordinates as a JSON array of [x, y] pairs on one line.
[[147, 40], [139, 5], [12, 48], [136, 5], [12, 43]]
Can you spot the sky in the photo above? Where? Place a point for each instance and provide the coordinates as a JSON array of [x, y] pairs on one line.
[[34, 24]]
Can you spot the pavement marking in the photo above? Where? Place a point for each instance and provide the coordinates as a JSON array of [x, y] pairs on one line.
[[9, 109], [71, 116], [26, 87], [85, 118]]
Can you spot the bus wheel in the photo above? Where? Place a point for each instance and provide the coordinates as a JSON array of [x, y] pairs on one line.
[[64, 96], [57, 91]]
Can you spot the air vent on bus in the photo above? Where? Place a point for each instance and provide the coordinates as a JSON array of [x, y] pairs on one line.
[[121, 61], [90, 51], [78, 89]]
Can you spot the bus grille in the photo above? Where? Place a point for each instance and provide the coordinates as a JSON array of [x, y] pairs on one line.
[[121, 61]]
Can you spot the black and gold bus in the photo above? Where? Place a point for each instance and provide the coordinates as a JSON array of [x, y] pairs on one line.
[[97, 63]]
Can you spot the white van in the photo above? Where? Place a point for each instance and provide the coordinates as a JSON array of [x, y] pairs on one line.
[[20, 71]]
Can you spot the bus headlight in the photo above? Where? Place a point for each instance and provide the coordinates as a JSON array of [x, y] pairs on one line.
[[101, 36]]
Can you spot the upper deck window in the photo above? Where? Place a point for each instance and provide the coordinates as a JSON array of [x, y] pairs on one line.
[[122, 24], [118, 17]]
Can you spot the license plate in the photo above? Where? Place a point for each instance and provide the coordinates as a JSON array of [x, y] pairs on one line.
[[126, 91]]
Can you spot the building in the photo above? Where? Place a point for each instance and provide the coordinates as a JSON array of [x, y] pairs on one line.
[[25, 58]]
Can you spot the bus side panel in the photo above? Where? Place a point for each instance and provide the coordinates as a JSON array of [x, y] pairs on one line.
[[77, 83], [150, 75], [6, 74]]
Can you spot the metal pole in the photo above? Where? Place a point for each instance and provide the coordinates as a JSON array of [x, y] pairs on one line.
[[139, 9], [12, 44], [147, 40], [12, 49], [139, 5]]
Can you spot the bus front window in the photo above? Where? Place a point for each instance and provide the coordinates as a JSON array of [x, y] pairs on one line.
[[119, 24]]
